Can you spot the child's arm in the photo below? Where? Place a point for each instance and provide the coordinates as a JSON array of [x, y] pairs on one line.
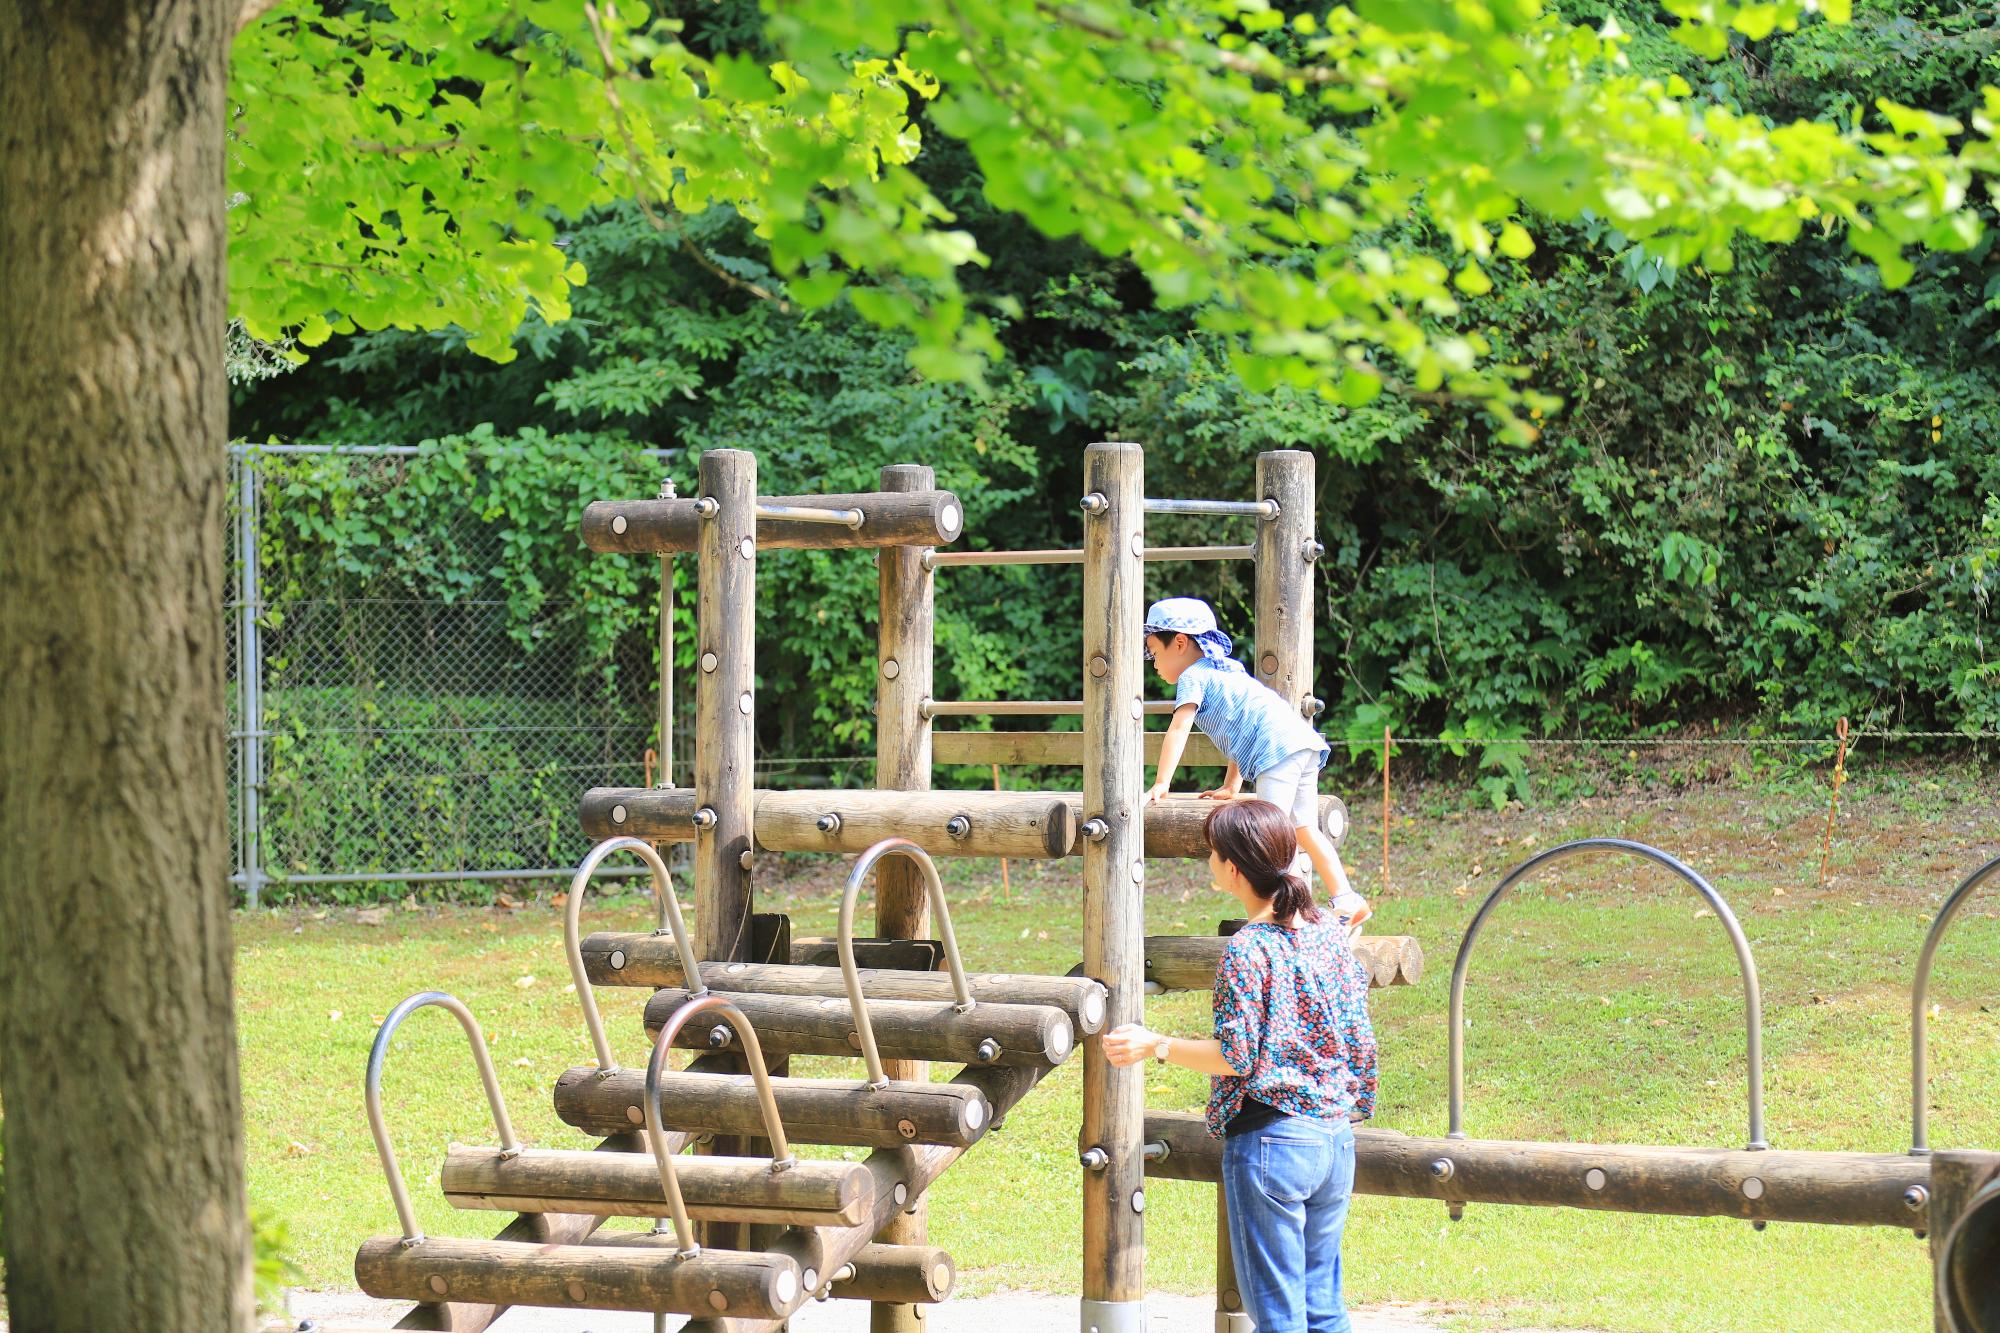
[[1171, 746], [1232, 783]]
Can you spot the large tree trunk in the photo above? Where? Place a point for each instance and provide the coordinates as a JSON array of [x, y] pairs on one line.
[[123, 1143]]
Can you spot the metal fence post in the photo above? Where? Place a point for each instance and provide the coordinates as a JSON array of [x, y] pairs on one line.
[[249, 676]]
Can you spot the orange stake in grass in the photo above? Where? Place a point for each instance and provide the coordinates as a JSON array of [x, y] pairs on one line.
[[1839, 780]]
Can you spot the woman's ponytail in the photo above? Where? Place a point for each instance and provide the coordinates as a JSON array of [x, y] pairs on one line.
[[1257, 838]]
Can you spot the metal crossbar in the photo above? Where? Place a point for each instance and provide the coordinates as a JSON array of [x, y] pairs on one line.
[[947, 559], [1264, 509]]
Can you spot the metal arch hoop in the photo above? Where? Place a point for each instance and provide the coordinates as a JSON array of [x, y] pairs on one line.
[[961, 990], [670, 920], [1919, 1017], [1753, 1002], [656, 1139], [509, 1146]]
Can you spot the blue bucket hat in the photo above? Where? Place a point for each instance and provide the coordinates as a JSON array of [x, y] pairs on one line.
[[1193, 617]]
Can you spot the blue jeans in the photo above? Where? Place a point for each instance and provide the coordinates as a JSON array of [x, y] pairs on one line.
[[1287, 1186]]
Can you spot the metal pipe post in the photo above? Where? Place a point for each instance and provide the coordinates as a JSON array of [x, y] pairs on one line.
[[249, 678], [1114, 870]]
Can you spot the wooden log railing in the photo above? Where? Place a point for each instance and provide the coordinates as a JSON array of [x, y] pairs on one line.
[[1846, 1189], [888, 518], [1031, 825]]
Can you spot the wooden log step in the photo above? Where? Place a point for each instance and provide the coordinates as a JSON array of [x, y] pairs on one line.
[[812, 1110], [990, 1034], [715, 1189], [888, 518], [725, 1283], [616, 958], [944, 823], [1188, 962], [896, 1275], [1847, 1189]]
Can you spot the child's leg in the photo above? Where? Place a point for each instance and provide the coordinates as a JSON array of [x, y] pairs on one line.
[[1326, 859]]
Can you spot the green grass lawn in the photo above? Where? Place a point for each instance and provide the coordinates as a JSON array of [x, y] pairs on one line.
[[1604, 1007]]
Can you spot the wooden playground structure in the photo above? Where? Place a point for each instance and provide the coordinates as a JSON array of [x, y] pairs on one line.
[[744, 1232]]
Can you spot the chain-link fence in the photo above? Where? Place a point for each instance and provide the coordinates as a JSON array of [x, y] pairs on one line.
[[392, 733]]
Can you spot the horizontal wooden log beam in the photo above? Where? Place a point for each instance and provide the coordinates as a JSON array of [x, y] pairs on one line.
[[897, 1275], [1844, 1189], [1019, 1034], [1177, 826], [1188, 962], [729, 1283], [943, 823], [812, 1110], [617, 958], [889, 518], [715, 1189], [1055, 748]]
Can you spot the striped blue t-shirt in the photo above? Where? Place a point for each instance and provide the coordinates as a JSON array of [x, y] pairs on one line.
[[1249, 722]]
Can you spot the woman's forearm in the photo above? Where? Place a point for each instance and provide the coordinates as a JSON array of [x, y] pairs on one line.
[[1203, 1056]]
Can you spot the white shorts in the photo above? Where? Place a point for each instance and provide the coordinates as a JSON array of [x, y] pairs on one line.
[[1292, 784]]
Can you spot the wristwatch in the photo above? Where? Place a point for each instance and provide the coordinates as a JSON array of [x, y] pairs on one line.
[[1163, 1048]]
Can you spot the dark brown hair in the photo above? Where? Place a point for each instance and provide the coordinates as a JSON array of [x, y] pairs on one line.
[[1257, 838]]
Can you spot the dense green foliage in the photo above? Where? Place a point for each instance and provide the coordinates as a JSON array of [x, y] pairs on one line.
[[1769, 497]]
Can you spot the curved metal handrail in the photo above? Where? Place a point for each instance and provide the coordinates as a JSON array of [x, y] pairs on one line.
[[509, 1145], [656, 1139], [960, 988], [670, 920], [1754, 1003], [1919, 1017]]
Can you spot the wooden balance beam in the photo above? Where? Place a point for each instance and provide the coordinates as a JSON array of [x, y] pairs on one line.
[[1845, 1189]]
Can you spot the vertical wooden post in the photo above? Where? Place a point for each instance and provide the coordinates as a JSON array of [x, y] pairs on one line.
[[725, 671], [1285, 555], [903, 763], [1230, 1316], [1114, 1254]]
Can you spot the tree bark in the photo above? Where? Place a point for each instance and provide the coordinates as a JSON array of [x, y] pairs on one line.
[[123, 1141]]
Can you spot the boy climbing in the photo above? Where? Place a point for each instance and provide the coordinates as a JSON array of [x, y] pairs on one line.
[[1267, 742]]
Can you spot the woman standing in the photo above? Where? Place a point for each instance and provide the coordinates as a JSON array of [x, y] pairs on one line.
[[1292, 1065]]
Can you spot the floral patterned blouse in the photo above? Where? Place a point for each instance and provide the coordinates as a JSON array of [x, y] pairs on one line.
[[1291, 1009]]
